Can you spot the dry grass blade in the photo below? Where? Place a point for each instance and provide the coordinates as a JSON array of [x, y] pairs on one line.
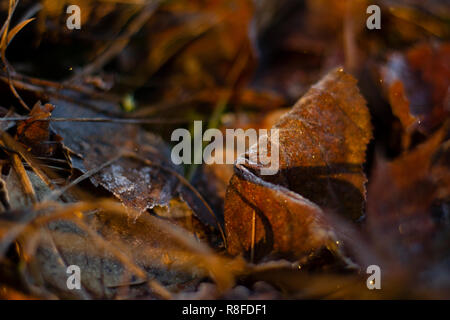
[[4, 31], [24, 179], [16, 30], [13, 145], [6, 38]]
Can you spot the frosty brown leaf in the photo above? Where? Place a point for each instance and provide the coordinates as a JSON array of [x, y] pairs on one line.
[[138, 186], [322, 148]]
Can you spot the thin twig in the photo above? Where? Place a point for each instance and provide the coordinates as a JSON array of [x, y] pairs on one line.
[[56, 94], [57, 193], [113, 120], [11, 86], [252, 252], [23, 177]]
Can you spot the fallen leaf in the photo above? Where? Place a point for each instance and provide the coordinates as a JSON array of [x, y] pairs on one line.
[[416, 84], [322, 143], [400, 199], [136, 184], [34, 133]]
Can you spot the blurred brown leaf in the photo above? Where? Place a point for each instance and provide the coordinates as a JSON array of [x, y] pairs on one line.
[[400, 198], [416, 84]]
